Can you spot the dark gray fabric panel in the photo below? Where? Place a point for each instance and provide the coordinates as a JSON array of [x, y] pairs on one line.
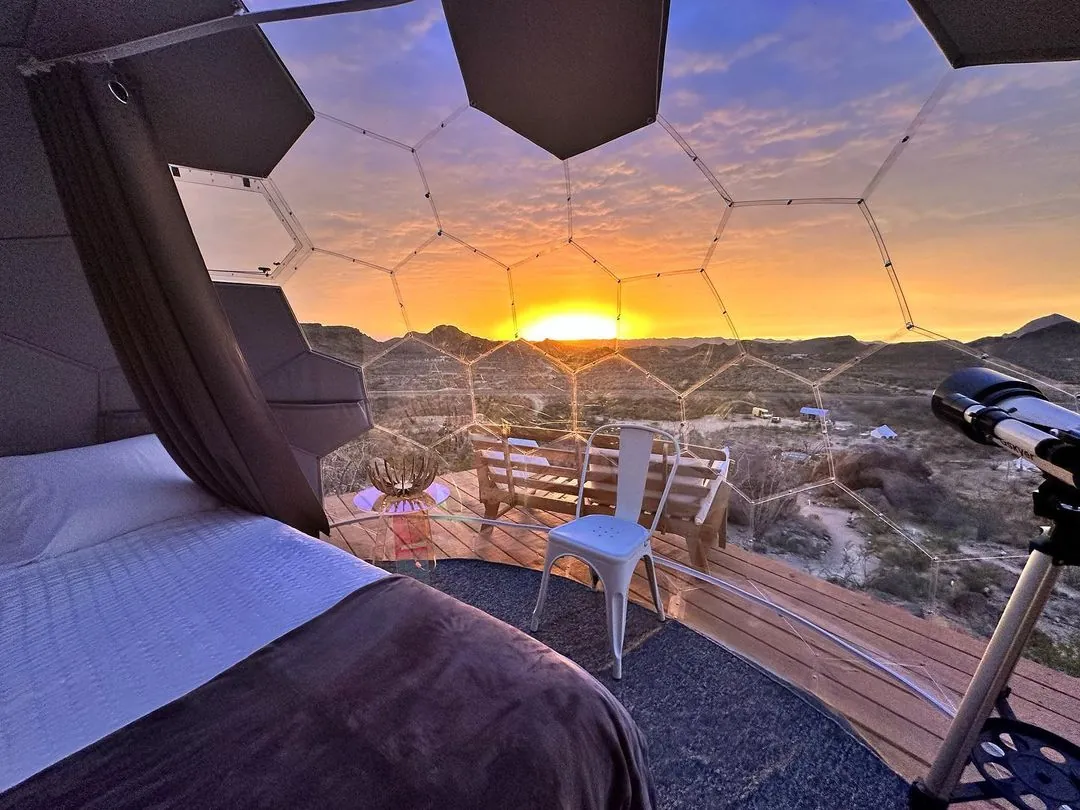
[[314, 378], [30, 206], [62, 27], [224, 103], [978, 32], [46, 402], [321, 429], [46, 302], [14, 19], [569, 75], [156, 299], [311, 468], [264, 325]]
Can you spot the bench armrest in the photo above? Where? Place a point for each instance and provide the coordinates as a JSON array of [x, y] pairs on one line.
[[721, 468]]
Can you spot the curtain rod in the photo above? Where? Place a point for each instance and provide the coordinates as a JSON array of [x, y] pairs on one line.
[[241, 19]]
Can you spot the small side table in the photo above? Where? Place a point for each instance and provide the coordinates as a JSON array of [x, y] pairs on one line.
[[404, 541]]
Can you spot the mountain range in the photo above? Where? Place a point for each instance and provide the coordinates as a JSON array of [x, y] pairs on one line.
[[1049, 346]]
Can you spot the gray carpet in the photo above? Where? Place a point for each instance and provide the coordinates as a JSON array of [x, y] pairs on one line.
[[722, 733]]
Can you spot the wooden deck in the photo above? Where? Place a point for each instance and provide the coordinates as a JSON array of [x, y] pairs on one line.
[[904, 728]]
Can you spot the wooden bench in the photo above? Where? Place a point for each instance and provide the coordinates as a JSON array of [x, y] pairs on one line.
[[539, 468]]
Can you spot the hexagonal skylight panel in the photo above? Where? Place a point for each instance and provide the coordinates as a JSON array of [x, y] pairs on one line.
[[447, 284], [400, 58], [493, 188], [237, 229], [615, 390], [697, 340], [418, 392], [771, 421], [327, 290], [641, 206], [518, 385], [355, 194], [987, 189], [567, 305], [810, 276], [807, 103]]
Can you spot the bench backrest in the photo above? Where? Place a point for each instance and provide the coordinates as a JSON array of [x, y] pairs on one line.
[[539, 460]]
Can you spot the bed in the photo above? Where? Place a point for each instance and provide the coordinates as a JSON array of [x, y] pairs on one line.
[[159, 648]]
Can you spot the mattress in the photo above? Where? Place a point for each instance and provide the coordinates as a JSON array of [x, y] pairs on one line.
[[94, 639]]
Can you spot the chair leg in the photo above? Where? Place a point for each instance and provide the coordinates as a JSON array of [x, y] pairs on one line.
[[616, 615], [654, 584], [549, 560]]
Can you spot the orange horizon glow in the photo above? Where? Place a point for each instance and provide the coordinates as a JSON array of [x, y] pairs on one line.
[[570, 326]]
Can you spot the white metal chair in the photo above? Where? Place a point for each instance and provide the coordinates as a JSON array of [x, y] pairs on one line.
[[611, 545]]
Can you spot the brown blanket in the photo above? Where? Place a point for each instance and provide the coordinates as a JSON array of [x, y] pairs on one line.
[[398, 697]]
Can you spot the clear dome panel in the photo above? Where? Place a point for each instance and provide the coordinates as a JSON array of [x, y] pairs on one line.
[[980, 211], [806, 274], [517, 385], [494, 189], [772, 422], [798, 102], [566, 305], [348, 310], [682, 306], [640, 205], [354, 194], [448, 284], [418, 392], [615, 390], [236, 227], [961, 505], [391, 70]]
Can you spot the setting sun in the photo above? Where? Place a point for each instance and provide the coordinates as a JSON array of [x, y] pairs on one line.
[[570, 326]]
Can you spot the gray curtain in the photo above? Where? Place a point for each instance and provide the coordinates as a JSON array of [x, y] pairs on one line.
[[156, 299]]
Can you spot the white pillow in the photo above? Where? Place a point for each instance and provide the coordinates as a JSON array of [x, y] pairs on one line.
[[53, 503]]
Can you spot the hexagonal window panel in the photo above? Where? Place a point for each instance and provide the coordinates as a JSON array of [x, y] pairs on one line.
[[446, 284], [772, 422], [958, 497], [517, 385], [641, 206], [566, 305], [418, 392], [804, 285], [355, 194], [674, 327], [494, 189], [237, 229], [402, 57], [807, 104], [614, 390], [348, 310], [987, 189], [890, 388]]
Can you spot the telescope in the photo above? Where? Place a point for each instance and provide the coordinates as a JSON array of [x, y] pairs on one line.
[[1017, 761]]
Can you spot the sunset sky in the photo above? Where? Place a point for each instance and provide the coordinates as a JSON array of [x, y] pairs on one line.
[[980, 214]]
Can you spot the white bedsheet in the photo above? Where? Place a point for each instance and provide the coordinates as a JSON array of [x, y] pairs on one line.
[[94, 639]]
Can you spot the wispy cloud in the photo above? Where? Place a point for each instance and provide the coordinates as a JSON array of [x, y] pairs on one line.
[[690, 63]]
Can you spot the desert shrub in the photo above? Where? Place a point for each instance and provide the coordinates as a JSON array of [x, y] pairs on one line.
[[980, 576], [903, 583], [1060, 655], [800, 535]]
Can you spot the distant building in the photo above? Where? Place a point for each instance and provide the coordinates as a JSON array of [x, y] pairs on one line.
[[796, 456], [814, 414], [883, 432]]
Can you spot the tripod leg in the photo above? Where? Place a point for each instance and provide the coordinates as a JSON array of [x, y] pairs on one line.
[[1012, 632]]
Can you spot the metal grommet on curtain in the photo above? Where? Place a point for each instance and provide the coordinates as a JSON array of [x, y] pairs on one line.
[[118, 90]]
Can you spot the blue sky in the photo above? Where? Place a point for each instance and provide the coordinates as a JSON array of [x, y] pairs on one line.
[[779, 99]]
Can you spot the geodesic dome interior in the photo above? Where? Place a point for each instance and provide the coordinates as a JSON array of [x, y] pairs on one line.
[[825, 221]]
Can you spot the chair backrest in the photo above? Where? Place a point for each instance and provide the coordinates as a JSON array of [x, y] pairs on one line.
[[635, 458]]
